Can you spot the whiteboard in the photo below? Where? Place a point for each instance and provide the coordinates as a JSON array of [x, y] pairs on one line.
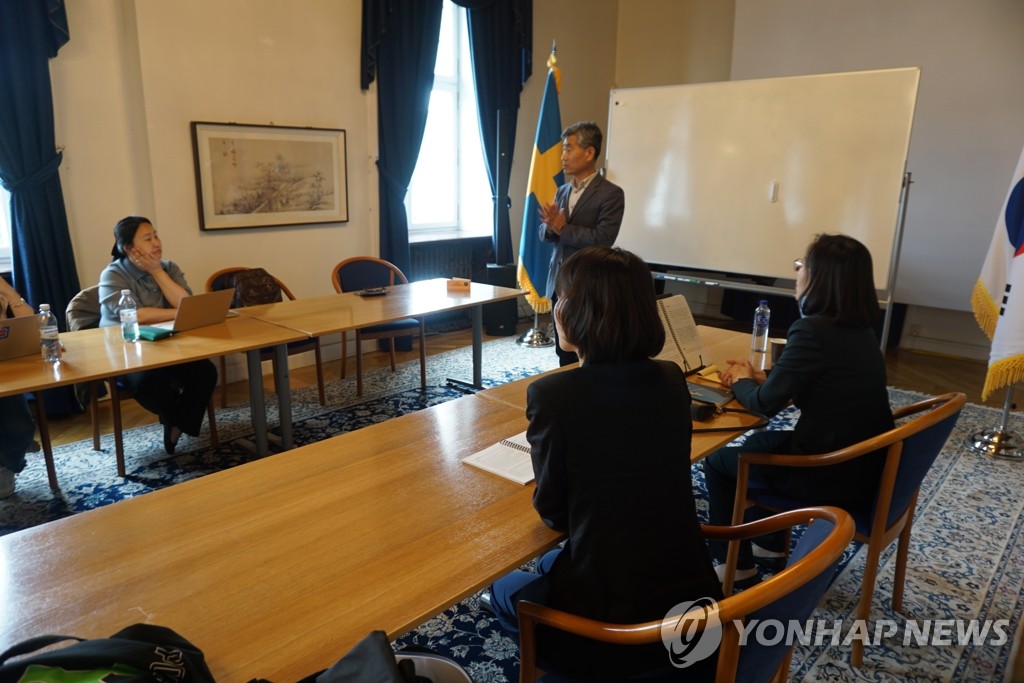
[[739, 176]]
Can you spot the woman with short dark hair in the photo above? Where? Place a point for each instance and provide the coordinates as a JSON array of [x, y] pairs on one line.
[[610, 442], [832, 370]]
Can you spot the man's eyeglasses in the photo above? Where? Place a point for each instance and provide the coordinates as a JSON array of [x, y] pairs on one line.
[[798, 264]]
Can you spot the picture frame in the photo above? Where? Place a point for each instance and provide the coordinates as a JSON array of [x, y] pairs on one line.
[[252, 176]]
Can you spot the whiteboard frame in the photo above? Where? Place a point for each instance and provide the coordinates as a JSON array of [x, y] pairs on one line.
[[667, 227]]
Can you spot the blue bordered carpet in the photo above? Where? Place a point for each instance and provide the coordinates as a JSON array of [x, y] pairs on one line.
[[966, 560]]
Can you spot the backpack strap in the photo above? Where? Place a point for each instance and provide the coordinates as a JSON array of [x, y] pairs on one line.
[[33, 644]]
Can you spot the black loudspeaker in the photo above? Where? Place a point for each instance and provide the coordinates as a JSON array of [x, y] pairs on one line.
[[500, 318]]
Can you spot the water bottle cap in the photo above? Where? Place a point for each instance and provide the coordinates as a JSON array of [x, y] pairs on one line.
[[125, 292], [44, 307], [763, 302]]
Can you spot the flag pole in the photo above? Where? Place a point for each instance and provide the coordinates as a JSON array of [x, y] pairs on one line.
[[538, 337], [535, 337], [999, 442]]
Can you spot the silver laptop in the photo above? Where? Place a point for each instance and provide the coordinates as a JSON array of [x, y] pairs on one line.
[[19, 337], [200, 310]]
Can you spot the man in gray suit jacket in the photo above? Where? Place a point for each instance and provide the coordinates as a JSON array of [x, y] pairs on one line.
[[587, 211]]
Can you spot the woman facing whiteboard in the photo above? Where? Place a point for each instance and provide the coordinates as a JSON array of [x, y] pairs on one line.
[[833, 371]]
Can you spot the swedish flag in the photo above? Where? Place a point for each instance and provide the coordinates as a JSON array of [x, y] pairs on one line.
[[545, 178]]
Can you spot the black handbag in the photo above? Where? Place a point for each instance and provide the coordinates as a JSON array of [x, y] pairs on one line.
[[136, 654]]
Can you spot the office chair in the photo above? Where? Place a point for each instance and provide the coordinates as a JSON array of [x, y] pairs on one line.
[[909, 450], [223, 279], [83, 313], [361, 272], [790, 595]]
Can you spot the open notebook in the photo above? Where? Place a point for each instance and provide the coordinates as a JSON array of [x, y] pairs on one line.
[[509, 458], [682, 341]]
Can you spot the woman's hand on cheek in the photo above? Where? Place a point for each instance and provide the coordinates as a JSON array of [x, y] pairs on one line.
[[144, 261]]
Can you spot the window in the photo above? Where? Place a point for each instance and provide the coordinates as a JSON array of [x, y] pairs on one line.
[[5, 231], [449, 195]]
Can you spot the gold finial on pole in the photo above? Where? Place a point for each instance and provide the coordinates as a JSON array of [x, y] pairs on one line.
[[553, 66]]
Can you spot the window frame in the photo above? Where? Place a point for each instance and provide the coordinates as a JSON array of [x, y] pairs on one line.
[[455, 81]]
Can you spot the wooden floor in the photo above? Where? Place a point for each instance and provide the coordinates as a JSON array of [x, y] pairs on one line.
[[915, 371]]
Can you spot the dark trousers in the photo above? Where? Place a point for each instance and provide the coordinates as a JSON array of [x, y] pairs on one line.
[[16, 431], [564, 357], [179, 394], [720, 469]]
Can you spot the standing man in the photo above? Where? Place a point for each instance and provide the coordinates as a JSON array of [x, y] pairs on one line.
[[587, 210]]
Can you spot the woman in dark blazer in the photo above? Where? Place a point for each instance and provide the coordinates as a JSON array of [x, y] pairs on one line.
[[832, 370], [610, 443]]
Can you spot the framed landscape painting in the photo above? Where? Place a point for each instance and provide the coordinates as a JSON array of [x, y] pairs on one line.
[[251, 176]]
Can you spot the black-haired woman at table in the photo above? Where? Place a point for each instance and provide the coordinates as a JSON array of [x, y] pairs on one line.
[[178, 394], [16, 425], [832, 370], [610, 443]]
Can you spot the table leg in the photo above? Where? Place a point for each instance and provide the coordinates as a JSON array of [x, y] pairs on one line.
[[256, 402], [478, 346], [282, 383], [44, 437]]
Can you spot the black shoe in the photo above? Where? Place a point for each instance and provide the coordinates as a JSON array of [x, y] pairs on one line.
[[749, 582], [171, 436], [485, 602]]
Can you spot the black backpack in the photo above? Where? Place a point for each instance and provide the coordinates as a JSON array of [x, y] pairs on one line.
[[142, 653], [253, 287]]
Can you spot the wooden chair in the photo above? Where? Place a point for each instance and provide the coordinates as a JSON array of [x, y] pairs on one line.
[[790, 595], [909, 450], [361, 272], [83, 313], [220, 280]]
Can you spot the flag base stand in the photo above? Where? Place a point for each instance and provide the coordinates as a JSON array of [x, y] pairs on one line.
[[535, 337], [999, 442]]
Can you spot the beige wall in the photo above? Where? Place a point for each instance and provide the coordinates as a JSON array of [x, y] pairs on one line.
[[663, 42], [135, 74]]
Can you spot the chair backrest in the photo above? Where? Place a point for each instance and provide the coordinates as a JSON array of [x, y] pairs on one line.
[[227, 278], [83, 311], [914, 447], [790, 595], [360, 272]]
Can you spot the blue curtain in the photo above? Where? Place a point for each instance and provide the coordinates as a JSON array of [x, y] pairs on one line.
[[501, 43], [399, 47], [31, 32]]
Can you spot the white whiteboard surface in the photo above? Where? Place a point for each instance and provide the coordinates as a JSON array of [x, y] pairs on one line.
[[739, 176]]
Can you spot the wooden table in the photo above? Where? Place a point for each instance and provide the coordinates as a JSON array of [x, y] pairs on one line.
[[330, 313], [278, 567], [101, 353], [720, 345]]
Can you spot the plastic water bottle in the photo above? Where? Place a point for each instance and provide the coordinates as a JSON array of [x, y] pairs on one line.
[[129, 314], [49, 337], [762, 318]]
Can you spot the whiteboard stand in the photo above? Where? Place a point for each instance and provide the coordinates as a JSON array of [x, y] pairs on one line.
[[894, 261]]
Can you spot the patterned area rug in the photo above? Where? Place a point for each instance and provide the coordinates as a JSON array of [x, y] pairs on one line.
[[966, 559]]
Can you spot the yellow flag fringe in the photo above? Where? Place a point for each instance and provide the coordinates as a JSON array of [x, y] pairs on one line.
[[986, 312], [1003, 373], [539, 303]]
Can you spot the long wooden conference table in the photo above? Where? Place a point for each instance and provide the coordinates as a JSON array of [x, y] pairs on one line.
[[329, 313], [101, 353], [98, 354], [276, 568]]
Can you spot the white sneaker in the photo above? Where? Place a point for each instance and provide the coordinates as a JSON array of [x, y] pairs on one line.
[[6, 483]]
